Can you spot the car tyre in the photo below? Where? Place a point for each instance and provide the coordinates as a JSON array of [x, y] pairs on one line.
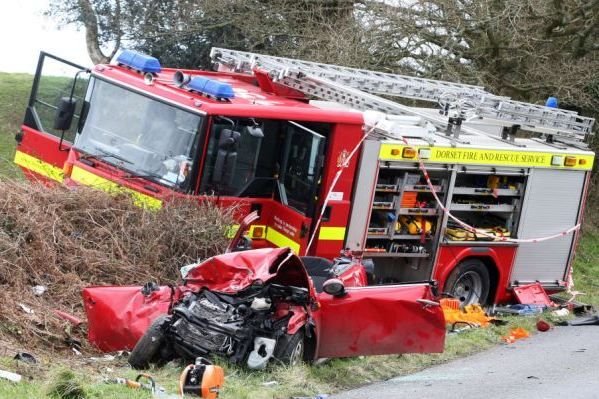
[[469, 282], [148, 348], [290, 349]]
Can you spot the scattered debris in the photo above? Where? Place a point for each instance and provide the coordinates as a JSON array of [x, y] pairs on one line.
[[25, 357], [543, 326], [470, 315], [576, 307], [39, 290], [519, 309], [563, 312], [13, 377], [75, 321], [533, 294], [270, 383], [26, 308], [515, 335]]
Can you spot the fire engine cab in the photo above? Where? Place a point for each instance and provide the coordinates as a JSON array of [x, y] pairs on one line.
[[453, 193]]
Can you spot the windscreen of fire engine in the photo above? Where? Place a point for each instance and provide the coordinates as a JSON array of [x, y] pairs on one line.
[[265, 158], [139, 134]]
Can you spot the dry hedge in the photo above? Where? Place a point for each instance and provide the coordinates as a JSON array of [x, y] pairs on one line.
[[67, 239]]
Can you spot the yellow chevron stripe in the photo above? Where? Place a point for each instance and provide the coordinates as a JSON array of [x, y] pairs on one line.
[[86, 178], [281, 240], [38, 166]]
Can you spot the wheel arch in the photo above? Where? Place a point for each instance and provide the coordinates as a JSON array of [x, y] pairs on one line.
[[490, 262]]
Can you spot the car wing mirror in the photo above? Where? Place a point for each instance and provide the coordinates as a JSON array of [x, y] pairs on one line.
[[334, 287]]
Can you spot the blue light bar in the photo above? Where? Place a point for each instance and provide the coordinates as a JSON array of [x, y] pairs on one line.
[[139, 62], [211, 87]]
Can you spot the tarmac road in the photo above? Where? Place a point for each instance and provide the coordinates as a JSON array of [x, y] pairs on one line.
[[561, 363]]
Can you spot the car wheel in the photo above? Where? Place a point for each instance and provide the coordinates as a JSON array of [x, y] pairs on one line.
[[469, 282], [290, 349], [148, 348]]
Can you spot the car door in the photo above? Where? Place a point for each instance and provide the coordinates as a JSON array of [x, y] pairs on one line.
[[42, 149], [380, 320], [118, 316]]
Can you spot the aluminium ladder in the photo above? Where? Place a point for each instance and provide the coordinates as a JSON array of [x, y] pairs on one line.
[[358, 88]]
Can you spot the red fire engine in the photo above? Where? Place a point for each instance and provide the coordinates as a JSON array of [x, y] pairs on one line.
[[452, 194]]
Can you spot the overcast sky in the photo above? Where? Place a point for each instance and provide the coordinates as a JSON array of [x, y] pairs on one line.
[[24, 32]]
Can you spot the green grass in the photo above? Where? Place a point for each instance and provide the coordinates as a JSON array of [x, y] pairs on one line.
[[302, 380], [14, 94]]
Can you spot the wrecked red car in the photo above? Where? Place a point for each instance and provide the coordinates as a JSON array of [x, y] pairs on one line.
[[263, 304]]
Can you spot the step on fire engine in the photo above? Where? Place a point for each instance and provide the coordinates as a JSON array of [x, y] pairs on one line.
[[453, 193]]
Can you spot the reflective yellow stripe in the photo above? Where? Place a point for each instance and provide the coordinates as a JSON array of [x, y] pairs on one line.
[[331, 233], [281, 240], [469, 156], [86, 178], [38, 166]]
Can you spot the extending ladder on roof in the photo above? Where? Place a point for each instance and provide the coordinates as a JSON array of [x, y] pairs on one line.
[[358, 88]]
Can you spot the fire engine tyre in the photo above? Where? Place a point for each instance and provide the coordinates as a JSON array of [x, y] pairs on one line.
[[147, 349], [469, 282], [290, 349]]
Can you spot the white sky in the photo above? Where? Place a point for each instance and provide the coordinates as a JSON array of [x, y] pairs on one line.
[[24, 32]]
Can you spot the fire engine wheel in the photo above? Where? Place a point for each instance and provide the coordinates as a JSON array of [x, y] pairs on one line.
[[148, 348], [290, 349], [469, 282]]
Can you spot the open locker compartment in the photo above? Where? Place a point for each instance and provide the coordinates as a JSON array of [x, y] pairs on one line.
[[488, 199]]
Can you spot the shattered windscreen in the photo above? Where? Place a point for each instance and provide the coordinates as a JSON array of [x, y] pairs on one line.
[[139, 134]]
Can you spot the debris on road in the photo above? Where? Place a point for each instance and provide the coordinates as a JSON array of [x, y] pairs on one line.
[[533, 294], [515, 335], [543, 326]]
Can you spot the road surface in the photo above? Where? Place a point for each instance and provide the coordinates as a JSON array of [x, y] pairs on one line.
[[562, 363]]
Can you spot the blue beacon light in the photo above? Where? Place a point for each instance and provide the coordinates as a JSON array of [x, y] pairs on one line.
[[211, 87], [139, 62]]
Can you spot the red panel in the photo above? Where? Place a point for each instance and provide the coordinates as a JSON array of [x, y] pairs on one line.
[[43, 146], [379, 320], [118, 316], [502, 256]]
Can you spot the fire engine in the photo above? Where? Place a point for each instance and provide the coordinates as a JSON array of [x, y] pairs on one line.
[[478, 192]]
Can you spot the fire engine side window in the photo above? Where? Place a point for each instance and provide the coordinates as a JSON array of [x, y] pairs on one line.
[[55, 80], [247, 157], [239, 157]]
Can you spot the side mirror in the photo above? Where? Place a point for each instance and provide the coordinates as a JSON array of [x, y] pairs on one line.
[[64, 113], [334, 287]]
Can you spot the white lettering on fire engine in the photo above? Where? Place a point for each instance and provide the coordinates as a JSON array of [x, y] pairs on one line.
[[284, 227]]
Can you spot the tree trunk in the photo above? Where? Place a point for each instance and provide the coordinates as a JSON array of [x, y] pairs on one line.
[[92, 42]]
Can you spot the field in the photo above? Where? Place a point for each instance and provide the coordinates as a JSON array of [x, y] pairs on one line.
[[277, 382]]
